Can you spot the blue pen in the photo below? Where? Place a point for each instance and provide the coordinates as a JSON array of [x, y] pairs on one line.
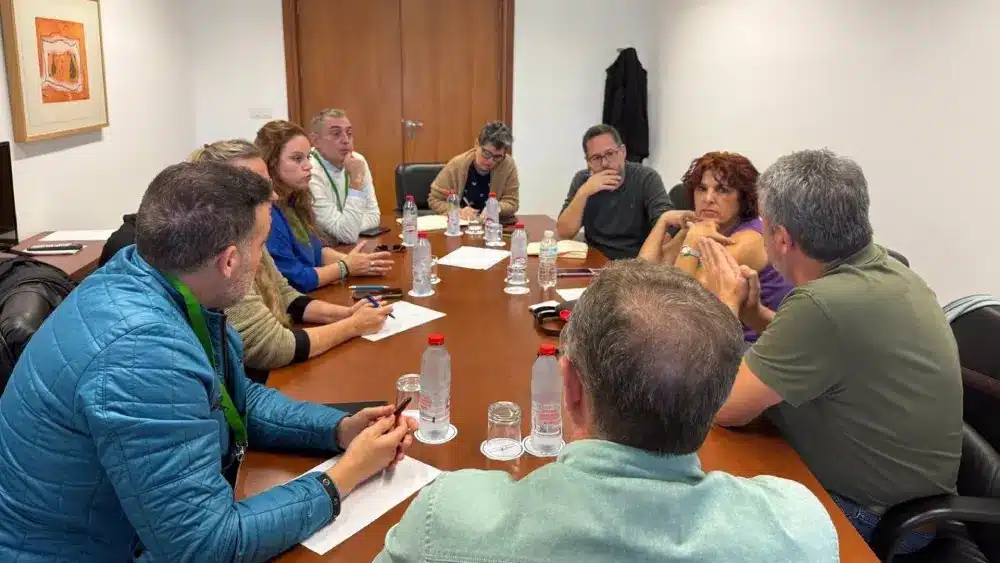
[[374, 303]]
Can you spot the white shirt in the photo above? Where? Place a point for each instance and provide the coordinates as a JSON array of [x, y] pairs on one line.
[[360, 207]]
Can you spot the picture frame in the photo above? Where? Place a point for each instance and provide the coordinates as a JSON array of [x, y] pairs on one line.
[[54, 55]]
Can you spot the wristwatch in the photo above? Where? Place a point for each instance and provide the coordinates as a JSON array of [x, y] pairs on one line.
[[688, 251]]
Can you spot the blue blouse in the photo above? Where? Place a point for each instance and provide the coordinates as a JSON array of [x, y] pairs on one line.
[[295, 260]]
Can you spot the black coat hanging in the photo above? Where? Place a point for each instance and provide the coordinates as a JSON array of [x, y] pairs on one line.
[[625, 108]]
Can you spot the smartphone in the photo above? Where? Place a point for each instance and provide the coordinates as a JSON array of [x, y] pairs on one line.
[[374, 232], [54, 249], [391, 293], [577, 272]]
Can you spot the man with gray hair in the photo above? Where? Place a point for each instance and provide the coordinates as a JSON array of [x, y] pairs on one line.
[[649, 356], [858, 366], [473, 175], [341, 182], [130, 406]]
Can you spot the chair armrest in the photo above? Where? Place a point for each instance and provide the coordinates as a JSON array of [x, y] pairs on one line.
[[908, 516]]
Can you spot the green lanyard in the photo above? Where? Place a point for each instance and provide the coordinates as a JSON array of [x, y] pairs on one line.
[[196, 318], [336, 190]]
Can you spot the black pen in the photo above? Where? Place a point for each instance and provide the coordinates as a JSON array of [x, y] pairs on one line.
[[374, 303], [387, 474]]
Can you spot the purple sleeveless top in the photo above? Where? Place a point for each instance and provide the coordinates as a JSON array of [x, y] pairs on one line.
[[773, 287]]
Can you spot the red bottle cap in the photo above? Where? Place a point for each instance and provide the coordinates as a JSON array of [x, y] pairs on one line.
[[435, 339], [421, 235], [564, 314], [410, 198], [493, 194], [519, 225], [546, 350]]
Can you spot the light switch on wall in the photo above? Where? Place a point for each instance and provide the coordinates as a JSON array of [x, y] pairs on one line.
[[260, 113]]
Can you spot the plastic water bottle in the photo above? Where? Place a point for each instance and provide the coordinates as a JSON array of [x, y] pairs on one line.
[[410, 222], [517, 267], [422, 286], [494, 236], [546, 403], [435, 390], [454, 221], [547, 254]]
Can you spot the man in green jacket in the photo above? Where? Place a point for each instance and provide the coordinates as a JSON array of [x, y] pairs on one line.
[[649, 356]]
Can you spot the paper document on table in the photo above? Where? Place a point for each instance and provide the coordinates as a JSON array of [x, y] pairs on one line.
[[433, 222], [571, 294], [65, 236], [474, 258], [407, 316], [370, 501], [564, 248]]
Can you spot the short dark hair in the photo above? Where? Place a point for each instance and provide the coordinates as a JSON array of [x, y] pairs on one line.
[[194, 210], [657, 355], [597, 131], [497, 134]]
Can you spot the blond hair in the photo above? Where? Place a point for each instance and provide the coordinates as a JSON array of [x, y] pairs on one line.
[[266, 279], [316, 125]]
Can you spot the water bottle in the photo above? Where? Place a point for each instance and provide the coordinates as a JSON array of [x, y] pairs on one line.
[[547, 254], [494, 236], [517, 267], [410, 222], [454, 220], [435, 390], [422, 286], [546, 404]]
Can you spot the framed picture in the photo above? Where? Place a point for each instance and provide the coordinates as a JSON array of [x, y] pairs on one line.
[[55, 67]]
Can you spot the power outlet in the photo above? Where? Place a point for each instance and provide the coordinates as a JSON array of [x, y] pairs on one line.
[[260, 113]]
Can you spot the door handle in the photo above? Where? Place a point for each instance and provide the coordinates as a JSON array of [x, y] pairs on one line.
[[411, 126]]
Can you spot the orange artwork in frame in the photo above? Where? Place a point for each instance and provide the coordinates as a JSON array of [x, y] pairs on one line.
[[62, 60]]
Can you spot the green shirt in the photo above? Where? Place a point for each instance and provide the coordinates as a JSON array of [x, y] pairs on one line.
[[868, 370], [602, 501]]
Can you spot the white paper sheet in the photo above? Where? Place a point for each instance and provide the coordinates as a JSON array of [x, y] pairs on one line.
[[407, 316], [67, 236], [563, 248], [474, 258], [433, 222], [571, 294], [370, 501]]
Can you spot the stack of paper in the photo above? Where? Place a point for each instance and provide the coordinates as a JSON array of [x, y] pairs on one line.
[[370, 501], [474, 258], [69, 236], [571, 294], [407, 315], [566, 249], [429, 223]]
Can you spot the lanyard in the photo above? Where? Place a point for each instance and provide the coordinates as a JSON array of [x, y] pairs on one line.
[[196, 318], [336, 190]]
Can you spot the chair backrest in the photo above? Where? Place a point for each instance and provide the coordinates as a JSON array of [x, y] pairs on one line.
[[415, 179], [898, 256], [979, 476], [679, 197], [976, 334]]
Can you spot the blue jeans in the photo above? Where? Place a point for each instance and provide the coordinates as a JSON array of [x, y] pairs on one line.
[[864, 521]]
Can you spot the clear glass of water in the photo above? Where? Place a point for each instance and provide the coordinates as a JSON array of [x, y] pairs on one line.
[[503, 433], [475, 227], [434, 271], [408, 387]]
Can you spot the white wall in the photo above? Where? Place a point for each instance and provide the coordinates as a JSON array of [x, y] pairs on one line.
[[906, 87], [561, 51], [90, 180], [239, 66]]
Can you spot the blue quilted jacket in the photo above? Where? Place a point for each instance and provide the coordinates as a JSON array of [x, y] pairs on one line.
[[112, 438]]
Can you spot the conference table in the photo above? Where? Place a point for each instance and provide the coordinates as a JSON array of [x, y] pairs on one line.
[[493, 342]]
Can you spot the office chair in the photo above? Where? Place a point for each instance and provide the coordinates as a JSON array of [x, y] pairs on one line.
[[976, 334], [415, 179], [679, 197]]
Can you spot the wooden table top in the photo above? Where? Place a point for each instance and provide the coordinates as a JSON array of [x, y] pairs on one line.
[[493, 343], [77, 266]]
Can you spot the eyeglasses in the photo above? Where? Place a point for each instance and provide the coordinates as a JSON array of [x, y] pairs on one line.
[[396, 248], [495, 157], [606, 155]]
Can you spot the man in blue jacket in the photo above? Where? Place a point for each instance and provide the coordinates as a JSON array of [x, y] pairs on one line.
[[130, 402]]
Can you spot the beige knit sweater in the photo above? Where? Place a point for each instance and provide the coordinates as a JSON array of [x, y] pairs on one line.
[[267, 344], [503, 181]]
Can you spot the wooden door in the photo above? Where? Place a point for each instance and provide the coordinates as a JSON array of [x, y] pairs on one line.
[[452, 61], [447, 64], [349, 58]]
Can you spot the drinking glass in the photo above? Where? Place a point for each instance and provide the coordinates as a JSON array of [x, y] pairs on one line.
[[408, 387], [503, 432]]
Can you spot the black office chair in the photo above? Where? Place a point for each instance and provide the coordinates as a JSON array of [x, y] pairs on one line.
[[976, 334], [898, 256], [679, 197], [968, 525], [415, 179]]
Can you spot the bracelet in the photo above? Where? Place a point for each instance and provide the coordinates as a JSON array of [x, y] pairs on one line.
[[344, 271]]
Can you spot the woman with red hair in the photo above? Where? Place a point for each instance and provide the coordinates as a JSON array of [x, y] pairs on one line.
[[723, 187]]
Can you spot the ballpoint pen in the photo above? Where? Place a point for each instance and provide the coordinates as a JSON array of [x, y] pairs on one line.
[[364, 287], [375, 304], [387, 474]]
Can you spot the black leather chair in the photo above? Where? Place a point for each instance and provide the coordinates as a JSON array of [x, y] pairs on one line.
[[976, 334], [968, 524], [415, 179], [679, 197]]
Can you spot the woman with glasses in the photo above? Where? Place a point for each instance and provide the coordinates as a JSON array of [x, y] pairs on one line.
[[478, 171], [294, 242]]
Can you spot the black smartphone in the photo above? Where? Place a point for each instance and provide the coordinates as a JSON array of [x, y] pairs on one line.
[[576, 272], [374, 232], [57, 248]]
